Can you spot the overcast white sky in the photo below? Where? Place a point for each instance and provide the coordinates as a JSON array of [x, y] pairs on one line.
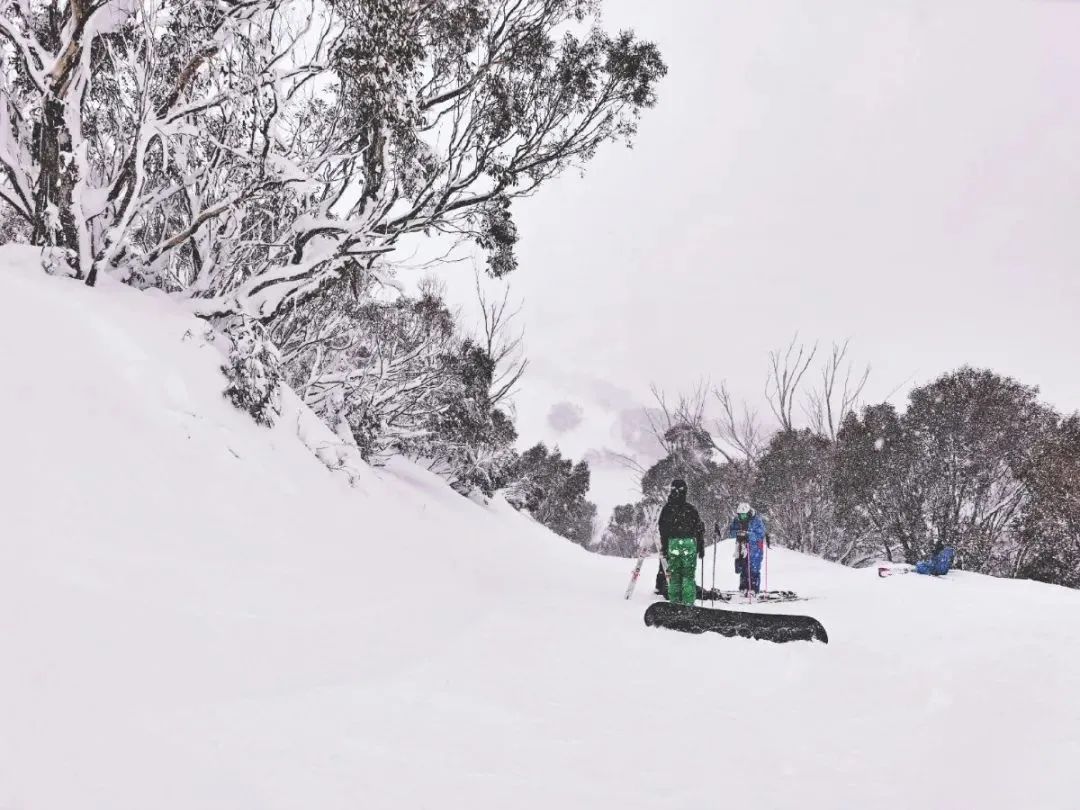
[[906, 174]]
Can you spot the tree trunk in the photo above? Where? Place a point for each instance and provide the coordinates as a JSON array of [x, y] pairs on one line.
[[54, 220]]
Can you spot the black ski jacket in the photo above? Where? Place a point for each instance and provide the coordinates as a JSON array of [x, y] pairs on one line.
[[680, 519]]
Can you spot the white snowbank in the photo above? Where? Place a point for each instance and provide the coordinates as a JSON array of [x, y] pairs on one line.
[[196, 613]]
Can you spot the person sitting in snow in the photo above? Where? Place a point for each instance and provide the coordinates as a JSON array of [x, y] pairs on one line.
[[682, 541], [939, 564], [748, 529]]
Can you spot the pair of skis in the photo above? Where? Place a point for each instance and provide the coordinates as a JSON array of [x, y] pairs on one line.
[[903, 568], [892, 571], [751, 598], [634, 575], [638, 566], [710, 595]]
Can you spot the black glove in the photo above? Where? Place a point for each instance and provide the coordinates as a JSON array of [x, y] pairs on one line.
[[701, 550], [716, 528]]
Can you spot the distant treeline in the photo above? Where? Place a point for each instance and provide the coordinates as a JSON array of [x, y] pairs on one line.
[[975, 461]]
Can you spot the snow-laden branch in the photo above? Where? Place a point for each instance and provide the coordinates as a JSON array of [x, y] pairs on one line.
[[31, 57]]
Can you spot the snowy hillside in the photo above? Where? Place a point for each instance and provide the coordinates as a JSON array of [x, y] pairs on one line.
[[196, 613]]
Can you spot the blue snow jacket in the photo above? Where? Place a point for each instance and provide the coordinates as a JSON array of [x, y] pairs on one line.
[[755, 529], [939, 564]]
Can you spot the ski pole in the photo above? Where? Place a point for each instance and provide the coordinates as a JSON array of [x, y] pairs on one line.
[[698, 593], [713, 573], [703, 572], [750, 575]]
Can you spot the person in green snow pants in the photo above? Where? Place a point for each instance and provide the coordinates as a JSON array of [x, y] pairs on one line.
[[682, 570], [682, 541]]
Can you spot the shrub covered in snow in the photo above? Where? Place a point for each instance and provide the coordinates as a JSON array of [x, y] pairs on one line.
[[253, 371]]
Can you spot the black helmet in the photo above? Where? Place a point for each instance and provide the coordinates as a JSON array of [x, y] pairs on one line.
[[678, 491]]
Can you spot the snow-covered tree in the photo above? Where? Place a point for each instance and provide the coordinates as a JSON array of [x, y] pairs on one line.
[[953, 469], [398, 376], [251, 154], [553, 490], [972, 436], [376, 370], [631, 530], [795, 489], [468, 439], [879, 499], [1048, 532]]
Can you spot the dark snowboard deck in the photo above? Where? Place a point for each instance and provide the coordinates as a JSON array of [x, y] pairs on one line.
[[775, 627]]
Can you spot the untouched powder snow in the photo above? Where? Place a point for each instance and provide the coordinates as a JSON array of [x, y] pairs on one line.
[[196, 613]]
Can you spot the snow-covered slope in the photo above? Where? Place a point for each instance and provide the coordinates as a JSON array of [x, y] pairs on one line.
[[196, 613]]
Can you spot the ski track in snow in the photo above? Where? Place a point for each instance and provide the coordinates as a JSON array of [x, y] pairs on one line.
[[196, 613]]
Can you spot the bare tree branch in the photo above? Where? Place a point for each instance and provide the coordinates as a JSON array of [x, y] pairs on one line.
[[681, 430], [505, 348], [738, 429], [838, 393], [786, 372]]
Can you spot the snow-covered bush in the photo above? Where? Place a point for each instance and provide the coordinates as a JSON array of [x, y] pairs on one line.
[[13, 228], [398, 376], [253, 370], [378, 367]]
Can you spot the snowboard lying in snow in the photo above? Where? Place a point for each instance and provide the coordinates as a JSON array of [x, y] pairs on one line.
[[734, 623]]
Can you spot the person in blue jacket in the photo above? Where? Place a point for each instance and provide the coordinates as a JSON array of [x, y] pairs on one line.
[[748, 529], [939, 564]]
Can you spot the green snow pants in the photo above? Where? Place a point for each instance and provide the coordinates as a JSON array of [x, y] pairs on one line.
[[682, 570]]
